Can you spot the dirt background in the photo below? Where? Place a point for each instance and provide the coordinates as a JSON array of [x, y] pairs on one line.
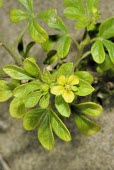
[[20, 149]]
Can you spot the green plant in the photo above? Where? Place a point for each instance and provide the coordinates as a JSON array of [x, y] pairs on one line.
[[33, 90]]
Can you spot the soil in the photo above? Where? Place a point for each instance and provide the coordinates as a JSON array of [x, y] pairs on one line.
[[20, 149]]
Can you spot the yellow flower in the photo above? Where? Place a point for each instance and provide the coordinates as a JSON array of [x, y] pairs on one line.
[[65, 87]]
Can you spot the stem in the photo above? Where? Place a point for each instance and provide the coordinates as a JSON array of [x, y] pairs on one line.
[[16, 42], [11, 52]]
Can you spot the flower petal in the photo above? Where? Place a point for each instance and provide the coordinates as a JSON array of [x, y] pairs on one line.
[[61, 80], [57, 90], [68, 96], [73, 80]]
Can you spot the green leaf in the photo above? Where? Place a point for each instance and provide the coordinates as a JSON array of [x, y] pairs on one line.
[[85, 125], [44, 101], [45, 134], [47, 77], [32, 118], [74, 13], [74, 3], [16, 72], [32, 99], [50, 43], [16, 15], [24, 89], [91, 4], [110, 48], [48, 16], [98, 52], [84, 75], [28, 48], [37, 33], [84, 88], [28, 4], [64, 47], [32, 68], [59, 25], [106, 29], [5, 91], [106, 65], [89, 108], [17, 108], [59, 128], [62, 107], [52, 57], [66, 69], [1, 3]]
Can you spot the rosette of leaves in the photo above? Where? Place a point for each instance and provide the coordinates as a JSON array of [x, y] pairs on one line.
[[31, 101]]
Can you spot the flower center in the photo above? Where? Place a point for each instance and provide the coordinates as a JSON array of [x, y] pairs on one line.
[[67, 86]]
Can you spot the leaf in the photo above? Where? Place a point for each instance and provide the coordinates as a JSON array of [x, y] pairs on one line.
[[47, 77], [51, 42], [28, 4], [17, 15], [37, 33], [74, 13], [74, 3], [32, 68], [5, 91], [17, 108], [24, 89], [32, 99], [64, 47], [44, 101], [86, 126], [16, 72], [106, 29], [28, 48], [98, 52], [66, 69], [110, 48], [89, 108], [91, 4], [59, 25], [84, 75], [59, 128], [48, 15], [32, 118], [1, 3], [52, 57], [84, 88], [62, 107], [45, 134]]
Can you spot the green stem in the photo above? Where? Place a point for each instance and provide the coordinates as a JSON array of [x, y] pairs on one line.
[[11, 52], [16, 42]]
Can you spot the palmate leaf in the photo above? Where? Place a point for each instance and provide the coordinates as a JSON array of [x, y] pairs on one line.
[[5, 91], [106, 29], [110, 48], [59, 128], [32, 118], [66, 69], [88, 108], [17, 73], [85, 125], [84, 88], [17, 108], [32, 68], [37, 33], [17, 15], [98, 52], [45, 134], [62, 107], [24, 89], [64, 47], [28, 4]]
